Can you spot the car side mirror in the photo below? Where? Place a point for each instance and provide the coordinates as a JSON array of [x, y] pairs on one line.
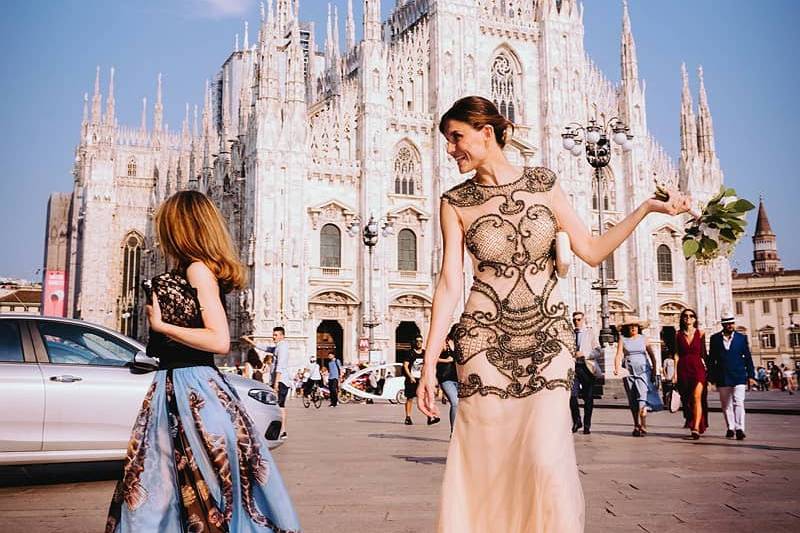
[[142, 363]]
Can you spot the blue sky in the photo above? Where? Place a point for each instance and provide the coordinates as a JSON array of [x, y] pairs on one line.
[[51, 48]]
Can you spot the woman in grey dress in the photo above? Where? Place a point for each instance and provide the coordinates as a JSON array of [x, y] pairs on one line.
[[640, 381]]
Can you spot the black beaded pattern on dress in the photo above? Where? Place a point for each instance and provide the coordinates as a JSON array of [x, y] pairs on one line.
[[177, 300], [522, 334]]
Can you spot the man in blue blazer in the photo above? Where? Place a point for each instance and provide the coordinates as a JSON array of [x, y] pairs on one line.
[[730, 368]]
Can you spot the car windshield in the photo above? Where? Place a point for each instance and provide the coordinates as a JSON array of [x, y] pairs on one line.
[[79, 345]]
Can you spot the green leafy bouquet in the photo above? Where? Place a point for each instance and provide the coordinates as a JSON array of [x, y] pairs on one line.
[[717, 229]]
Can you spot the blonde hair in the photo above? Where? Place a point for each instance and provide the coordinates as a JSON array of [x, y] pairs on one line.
[[191, 228]]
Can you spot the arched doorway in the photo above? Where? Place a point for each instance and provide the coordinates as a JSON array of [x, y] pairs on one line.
[[668, 341], [330, 338], [669, 317], [404, 338]]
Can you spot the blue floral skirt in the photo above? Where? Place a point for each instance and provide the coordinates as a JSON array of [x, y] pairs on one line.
[[195, 463]]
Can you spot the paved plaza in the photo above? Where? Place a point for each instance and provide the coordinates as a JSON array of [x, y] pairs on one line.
[[357, 468]]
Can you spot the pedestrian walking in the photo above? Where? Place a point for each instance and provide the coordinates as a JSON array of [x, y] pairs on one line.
[[668, 384], [762, 379], [775, 377], [640, 362], [587, 370], [412, 371], [195, 461], [282, 376], [730, 368], [446, 375], [692, 377], [334, 372], [788, 378]]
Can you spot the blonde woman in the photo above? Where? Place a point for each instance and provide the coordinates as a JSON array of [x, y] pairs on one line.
[[195, 461]]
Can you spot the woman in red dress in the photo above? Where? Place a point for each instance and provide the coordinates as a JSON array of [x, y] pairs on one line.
[[692, 381]]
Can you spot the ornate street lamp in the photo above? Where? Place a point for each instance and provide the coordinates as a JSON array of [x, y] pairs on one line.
[[594, 140], [370, 238]]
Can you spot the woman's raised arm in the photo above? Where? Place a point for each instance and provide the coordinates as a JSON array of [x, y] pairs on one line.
[[594, 248]]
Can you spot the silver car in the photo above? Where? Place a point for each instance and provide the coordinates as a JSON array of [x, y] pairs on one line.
[[71, 390]]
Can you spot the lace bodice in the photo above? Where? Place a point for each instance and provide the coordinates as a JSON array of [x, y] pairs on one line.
[[509, 320], [179, 306]]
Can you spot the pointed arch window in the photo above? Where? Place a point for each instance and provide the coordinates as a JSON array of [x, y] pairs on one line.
[[132, 167], [664, 262], [407, 250], [131, 274], [407, 170], [505, 76], [330, 246], [611, 271]]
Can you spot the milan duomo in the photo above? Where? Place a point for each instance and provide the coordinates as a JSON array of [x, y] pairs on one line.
[[300, 143]]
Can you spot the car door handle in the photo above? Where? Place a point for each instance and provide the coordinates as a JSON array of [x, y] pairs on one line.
[[65, 379]]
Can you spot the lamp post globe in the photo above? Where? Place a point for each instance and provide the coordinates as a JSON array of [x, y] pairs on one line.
[[594, 141]]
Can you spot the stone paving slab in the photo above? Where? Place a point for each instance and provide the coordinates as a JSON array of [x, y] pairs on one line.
[[357, 468]]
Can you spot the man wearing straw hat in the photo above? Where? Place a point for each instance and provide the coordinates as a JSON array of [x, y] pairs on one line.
[[730, 367]]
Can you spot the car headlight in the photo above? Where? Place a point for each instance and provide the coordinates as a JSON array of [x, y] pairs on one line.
[[264, 396]]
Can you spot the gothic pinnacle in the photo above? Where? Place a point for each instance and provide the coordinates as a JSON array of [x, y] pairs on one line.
[[110, 100], [85, 108], [158, 109], [96, 98], [350, 28], [143, 126], [630, 66]]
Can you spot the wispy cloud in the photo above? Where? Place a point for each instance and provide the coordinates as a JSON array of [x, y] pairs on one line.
[[221, 8]]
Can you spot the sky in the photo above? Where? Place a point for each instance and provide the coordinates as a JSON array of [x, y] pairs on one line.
[[51, 48]]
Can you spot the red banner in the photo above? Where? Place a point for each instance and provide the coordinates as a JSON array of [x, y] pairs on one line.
[[53, 294]]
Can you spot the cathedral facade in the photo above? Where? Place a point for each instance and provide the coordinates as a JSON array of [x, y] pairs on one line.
[[300, 144]]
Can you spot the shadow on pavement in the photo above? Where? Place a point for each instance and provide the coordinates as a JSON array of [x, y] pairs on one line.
[[364, 421], [405, 437], [48, 474], [422, 460], [736, 444]]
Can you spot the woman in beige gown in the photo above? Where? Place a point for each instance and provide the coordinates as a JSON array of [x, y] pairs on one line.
[[511, 464]]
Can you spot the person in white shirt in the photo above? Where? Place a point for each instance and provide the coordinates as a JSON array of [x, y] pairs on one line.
[[586, 373], [314, 376], [282, 378]]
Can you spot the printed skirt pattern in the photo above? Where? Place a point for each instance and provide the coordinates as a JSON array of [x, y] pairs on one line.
[[196, 464]]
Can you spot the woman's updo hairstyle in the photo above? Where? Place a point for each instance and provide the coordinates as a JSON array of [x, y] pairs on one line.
[[478, 112]]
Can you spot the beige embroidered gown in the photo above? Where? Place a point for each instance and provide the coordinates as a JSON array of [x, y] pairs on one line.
[[511, 462]]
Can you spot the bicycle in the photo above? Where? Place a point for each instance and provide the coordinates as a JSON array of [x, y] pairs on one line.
[[315, 397]]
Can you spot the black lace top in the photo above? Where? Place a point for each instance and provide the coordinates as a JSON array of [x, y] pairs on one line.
[[179, 306]]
